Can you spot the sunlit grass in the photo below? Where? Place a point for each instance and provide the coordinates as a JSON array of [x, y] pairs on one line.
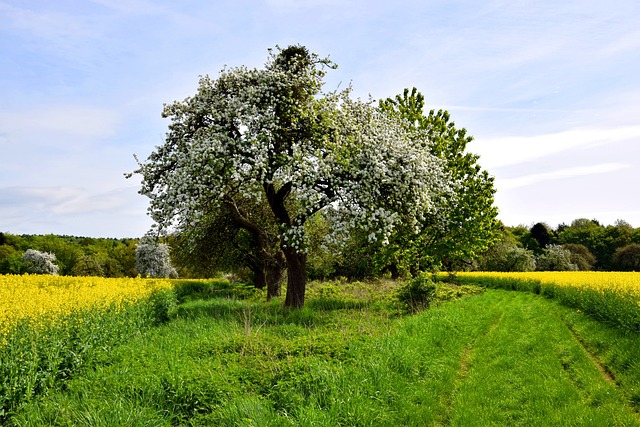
[[613, 297]]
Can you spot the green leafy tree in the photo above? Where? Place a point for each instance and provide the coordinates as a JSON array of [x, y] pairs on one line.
[[507, 255], [270, 136], [235, 239], [11, 261], [87, 265], [543, 236], [581, 256], [627, 258], [470, 223]]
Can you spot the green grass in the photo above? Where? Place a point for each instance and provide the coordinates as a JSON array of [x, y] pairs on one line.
[[351, 359]]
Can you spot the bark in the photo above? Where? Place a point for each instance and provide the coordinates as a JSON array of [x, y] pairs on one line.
[[274, 270], [259, 278], [296, 278]]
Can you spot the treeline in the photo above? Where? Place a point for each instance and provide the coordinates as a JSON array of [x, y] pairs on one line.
[[74, 256], [583, 245]]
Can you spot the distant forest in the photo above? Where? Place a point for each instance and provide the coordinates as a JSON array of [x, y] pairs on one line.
[[585, 244]]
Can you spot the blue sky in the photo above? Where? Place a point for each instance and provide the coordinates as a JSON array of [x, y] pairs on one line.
[[549, 90]]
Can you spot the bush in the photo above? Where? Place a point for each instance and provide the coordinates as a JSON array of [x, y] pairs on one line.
[[417, 294], [164, 304]]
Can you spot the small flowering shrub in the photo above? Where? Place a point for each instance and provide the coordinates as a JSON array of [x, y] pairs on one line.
[[153, 260]]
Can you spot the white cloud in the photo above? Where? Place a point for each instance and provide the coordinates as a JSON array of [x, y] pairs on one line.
[[82, 121], [522, 181], [505, 151]]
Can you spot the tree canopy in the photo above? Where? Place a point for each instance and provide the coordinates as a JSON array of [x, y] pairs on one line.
[[272, 136]]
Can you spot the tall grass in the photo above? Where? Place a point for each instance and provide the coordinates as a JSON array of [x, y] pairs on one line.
[[349, 358], [611, 297], [59, 324]]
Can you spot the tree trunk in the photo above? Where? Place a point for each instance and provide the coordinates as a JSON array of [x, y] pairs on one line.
[[274, 269], [259, 278], [296, 278]]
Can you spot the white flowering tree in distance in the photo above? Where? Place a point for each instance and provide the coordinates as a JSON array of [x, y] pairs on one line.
[[38, 262], [271, 136], [153, 259]]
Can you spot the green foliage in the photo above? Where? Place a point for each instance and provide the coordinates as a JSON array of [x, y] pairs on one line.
[[499, 358], [506, 255], [581, 256], [163, 304], [470, 224], [87, 265], [101, 257], [627, 258], [11, 261], [417, 294], [37, 356]]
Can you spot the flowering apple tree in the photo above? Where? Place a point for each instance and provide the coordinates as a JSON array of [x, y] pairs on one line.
[[270, 135]]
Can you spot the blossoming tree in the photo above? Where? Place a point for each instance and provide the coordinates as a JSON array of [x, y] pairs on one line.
[[272, 136]]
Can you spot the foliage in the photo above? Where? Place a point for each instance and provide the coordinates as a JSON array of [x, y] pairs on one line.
[[87, 265], [581, 256], [542, 235], [38, 353], [11, 261], [555, 258], [506, 255], [417, 294], [226, 240], [627, 258], [153, 259], [112, 257], [470, 223], [37, 262], [271, 137]]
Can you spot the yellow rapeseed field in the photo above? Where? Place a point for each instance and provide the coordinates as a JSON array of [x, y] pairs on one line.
[[46, 296], [621, 282]]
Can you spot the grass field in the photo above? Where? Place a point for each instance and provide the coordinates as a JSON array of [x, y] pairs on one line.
[[351, 358]]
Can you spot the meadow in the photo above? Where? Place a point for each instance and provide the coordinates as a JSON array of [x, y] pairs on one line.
[[214, 353]]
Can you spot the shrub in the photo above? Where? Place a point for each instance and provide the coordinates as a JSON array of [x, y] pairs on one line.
[[417, 294], [581, 256]]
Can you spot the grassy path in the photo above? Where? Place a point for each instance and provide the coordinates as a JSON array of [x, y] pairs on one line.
[[529, 369], [498, 358]]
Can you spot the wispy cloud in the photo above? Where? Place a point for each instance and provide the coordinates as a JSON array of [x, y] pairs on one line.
[[522, 181], [505, 151], [82, 121]]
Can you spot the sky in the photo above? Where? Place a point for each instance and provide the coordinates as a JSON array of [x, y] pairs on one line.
[[549, 90]]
